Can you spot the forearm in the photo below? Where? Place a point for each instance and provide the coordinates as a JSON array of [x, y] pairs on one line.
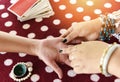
[[10, 43]]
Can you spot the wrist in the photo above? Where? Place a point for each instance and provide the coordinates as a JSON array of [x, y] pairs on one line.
[[97, 24], [114, 63], [109, 62], [33, 47]]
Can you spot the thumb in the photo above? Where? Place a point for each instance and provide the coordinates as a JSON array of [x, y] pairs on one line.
[[56, 68], [67, 62]]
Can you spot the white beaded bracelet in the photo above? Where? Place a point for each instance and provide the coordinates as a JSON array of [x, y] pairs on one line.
[[106, 58]]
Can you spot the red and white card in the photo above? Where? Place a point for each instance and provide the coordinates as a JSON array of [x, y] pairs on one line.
[[29, 9]]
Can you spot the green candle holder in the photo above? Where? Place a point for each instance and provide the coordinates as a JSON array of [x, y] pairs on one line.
[[20, 70]]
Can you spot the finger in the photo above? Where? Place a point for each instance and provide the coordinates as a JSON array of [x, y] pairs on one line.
[[66, 33], [64, 58], [66, 50], [71, 37], [67, 62], [78, 70], [55, 40], [59, 39], [74, 55], [75, 63], [56, 68], [77, 40], [61, 45]]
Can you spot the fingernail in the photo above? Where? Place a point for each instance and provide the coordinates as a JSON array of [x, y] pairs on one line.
[[64, 40], [60, 51]]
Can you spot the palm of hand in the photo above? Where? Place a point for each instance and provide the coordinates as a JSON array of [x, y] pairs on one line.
[[48, 52]]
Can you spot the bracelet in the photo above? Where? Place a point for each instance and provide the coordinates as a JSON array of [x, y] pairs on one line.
[[21, 71], [116, 14], [106, 58], [108, 27]]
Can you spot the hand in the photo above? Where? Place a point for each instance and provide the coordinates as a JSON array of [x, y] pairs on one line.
[[48, 51], [85, 57], [88, 30]]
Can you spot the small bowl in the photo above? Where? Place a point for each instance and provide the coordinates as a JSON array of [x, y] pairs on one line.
[[20, 70]]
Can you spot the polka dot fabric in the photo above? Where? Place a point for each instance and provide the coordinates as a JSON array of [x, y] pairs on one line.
[[67, 12]]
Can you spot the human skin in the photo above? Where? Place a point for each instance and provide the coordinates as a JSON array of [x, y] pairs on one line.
[[84, 31], [85, 58], [46, 49]]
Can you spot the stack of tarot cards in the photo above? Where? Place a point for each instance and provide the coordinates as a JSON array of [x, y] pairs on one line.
[[30, 9]]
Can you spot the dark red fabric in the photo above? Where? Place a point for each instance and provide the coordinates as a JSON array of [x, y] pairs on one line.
[[53, 30]]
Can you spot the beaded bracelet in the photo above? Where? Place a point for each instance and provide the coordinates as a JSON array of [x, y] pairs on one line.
[[108, 27], [106, 58]]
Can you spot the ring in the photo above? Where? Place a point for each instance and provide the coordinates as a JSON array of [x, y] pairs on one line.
[[21, 71]]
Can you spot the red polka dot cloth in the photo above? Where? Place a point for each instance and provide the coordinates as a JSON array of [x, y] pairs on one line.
[[66, 13]]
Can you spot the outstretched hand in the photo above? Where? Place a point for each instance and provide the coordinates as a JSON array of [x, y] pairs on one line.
[[48, 51]]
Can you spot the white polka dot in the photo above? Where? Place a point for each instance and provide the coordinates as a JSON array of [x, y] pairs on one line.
[[8, 23], [86, 18], [44, 28], [31, 35], [26, 26], [74, 23], [50, 36], [35, 77], [71, 73], [97, 11], [95, 77], [117, 80], [22, 54], [117, 0], [56, 0], [38, 19], [62, 31], [56, 22], [62, 7], [8, 62], [4, 15], [13, 1], [80, 9], [107, 5], [3, 52], [68, 15], [13, 32], [48, 69], [73, 1], [29, 63], [90, 3], [57, 80], [2, 7]]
